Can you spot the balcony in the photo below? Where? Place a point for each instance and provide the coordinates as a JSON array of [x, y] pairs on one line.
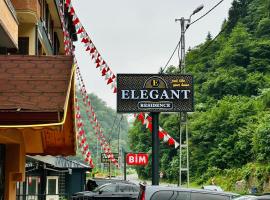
[[8, 25], [28, 11]]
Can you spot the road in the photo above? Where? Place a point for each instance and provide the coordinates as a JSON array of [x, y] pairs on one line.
[[135, 179]]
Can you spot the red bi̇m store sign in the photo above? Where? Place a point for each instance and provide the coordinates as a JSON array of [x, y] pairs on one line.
[[137, 158]]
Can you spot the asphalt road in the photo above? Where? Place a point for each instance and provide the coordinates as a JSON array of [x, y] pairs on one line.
[[134, 179]]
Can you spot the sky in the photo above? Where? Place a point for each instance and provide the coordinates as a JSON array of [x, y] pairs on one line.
[[138, 36]]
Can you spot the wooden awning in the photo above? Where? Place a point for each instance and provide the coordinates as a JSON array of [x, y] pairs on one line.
[[37, 98]]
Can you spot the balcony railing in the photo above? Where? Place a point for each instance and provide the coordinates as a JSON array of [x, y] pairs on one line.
[[44, 36]]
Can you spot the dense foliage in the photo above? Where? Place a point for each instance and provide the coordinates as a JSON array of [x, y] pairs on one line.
[[230, 126]]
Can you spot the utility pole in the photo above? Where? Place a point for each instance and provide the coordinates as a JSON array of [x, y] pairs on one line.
[[183, 127]]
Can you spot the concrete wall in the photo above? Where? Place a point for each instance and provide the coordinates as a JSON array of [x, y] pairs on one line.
[[29, 30], [8, 22]]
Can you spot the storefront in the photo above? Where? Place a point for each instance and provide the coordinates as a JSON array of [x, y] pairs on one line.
[[52, 178]]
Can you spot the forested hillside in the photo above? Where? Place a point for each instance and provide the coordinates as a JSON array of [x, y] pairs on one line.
[[112, 124], [230, 128]]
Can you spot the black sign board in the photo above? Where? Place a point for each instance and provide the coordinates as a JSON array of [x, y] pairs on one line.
[[105, 159], [154, 93]]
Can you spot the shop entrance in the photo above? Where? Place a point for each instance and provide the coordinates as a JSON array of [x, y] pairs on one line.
[[2, 171]]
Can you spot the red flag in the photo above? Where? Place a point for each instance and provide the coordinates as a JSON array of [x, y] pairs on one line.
[[160, 135], [150, 127], [109, 81], [85, 40], [140, 117], [67, 2], [76, 21], [72, 11], [171, 141], [97, 60], [93, 50], [104, 71], [80, 30]]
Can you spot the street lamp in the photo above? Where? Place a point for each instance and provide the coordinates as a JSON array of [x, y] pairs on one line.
[[183, 129]]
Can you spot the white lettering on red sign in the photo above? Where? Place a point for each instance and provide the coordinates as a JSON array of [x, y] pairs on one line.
[[137, 159]]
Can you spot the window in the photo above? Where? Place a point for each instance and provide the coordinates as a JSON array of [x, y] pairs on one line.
[[182, 196], [162, 195], [135, 189], [32, 187], [52, 185], [127, 188], [208, 196], [109, 188]]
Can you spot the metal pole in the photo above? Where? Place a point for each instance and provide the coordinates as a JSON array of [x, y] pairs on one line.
[[125, 166], [187, 150], [155, 149], [183, 116], [182, 67], [97, 155], [180, 150], [109, 162]]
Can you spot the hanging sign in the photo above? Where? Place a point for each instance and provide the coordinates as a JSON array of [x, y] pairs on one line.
[[154, 93], [105, 159], [137, 158]]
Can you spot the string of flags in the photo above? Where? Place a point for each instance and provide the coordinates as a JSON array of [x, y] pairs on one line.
[[146, 120], [94, 121], [80, 131], [69, 50], [99, 61], [109, 77], [68, 46], [81, 137]]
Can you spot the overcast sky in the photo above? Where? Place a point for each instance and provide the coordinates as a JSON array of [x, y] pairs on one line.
[[138, 36]]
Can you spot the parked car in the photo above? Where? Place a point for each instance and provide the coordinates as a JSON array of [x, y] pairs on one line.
[[252, 197], [117, 190], [246, 197], [212, 187], [177, 193], [95, 182]]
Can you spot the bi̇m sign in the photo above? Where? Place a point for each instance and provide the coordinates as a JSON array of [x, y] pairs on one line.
[[154, 93], [137, 158]]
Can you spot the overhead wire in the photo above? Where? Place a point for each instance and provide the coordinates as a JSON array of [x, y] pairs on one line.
[[206, 12], [179, 43]]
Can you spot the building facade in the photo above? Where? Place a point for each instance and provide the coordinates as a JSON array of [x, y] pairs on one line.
[[36, 87]]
